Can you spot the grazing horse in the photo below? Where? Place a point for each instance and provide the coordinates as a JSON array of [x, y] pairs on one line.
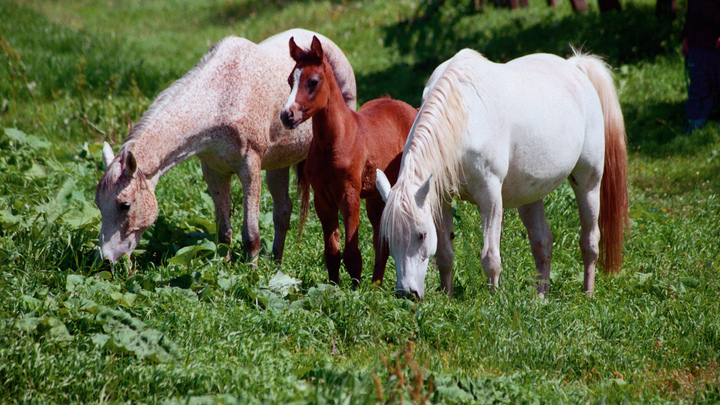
[[346, 149], [225, 110], [505, 136]]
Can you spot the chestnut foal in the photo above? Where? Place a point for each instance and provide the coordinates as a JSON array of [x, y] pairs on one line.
[[346, 148]]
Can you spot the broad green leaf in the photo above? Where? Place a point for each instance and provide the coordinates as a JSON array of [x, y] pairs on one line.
[[74, 282], [128, 335], [282, 283]]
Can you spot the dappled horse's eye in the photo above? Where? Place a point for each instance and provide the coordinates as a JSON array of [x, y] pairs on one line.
[[124, 206]]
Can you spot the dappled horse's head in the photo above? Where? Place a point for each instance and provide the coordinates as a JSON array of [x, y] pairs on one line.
[[408, 226], [127, 203], [309, 83]]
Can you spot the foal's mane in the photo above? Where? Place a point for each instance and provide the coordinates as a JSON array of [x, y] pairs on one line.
[[434, 147], [166, 96]]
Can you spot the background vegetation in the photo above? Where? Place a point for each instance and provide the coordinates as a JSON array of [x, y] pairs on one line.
[[177, 324]]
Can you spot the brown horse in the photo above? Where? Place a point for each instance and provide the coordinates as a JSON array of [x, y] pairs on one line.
[[346, 149]]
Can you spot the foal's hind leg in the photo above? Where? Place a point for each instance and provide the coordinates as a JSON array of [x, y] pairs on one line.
[[374, 208], [219, 186], [587, 195], [278, 182], [541, 239]]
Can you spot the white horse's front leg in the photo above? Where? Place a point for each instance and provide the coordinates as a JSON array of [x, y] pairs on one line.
[[445, 256], [491, 212], [541, 240], [278, 182], [219, 186]]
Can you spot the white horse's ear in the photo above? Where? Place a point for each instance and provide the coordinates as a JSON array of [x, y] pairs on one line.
[[107, 154], [423, 192], [382, 184], [130, 164]]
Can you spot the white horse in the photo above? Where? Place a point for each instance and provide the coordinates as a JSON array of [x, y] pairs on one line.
[[505, 136], [226, 110]]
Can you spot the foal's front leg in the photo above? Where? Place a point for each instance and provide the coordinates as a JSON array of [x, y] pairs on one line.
[[350, 209], [327, 212]]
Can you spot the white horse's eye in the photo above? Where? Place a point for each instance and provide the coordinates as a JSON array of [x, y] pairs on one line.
[[422, 236]]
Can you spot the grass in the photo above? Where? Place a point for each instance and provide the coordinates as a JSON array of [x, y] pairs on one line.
[[192, 328]]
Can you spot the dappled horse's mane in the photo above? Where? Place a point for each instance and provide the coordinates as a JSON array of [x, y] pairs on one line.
[[434, 147], [166, 96]]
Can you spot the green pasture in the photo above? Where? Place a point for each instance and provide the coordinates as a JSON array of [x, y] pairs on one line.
[[176, 324]]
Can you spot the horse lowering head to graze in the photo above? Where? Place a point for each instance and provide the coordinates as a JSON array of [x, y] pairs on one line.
[[505, 136], [346, 150], [225, 111]]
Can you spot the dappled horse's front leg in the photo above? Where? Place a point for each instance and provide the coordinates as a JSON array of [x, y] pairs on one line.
[[374, 208], [249, 173], [278, 182], [219, 187], [327, 212], [541, 240], [444, 256], [350, 210]]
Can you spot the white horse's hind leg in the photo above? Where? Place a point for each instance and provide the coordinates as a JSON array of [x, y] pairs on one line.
[[278, 182], [219, 186], [444, 256], [541, 239], [588, 200]]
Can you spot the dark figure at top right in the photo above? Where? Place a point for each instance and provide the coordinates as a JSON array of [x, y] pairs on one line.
[[701, 47]]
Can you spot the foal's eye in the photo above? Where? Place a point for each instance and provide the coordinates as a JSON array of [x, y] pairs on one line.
[[123, 206], [312, 84]]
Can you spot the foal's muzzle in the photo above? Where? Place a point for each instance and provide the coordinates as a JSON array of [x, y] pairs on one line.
[[288, 119]]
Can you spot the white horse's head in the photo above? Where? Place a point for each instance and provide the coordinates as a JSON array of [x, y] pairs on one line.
[[408, 226], [127, 203]]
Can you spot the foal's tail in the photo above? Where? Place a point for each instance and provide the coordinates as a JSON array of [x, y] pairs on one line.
[[613, 187], [303, 190]]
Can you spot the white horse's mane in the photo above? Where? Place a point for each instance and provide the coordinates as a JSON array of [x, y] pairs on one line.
[[434, 147], [166, 96]]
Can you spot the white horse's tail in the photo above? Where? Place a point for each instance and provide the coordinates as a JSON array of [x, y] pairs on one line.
[[613, 188]]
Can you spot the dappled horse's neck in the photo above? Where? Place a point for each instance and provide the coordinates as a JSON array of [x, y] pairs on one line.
[[167, 141]]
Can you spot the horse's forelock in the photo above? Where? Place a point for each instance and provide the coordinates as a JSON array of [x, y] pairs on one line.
[[400, 215]]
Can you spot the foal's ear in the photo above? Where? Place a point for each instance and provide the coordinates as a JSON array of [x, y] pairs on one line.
[[423, 192], [130, 165], [295, 51], [107, 154], [316, 48], [382, 184]]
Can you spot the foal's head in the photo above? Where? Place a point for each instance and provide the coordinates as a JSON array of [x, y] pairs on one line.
[[309, 82], [126, 199]]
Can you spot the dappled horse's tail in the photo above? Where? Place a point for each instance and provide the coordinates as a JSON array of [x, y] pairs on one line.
[[613, 188], [303, 190]]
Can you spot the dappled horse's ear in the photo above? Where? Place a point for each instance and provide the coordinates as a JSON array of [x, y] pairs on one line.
[[130, 165], [107, 154], [423, 192], [382, 184], [316, 48], [295, 51]]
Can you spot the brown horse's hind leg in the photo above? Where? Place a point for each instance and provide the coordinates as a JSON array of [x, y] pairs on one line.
[[541, 240], [374, 208], [278, 182], [327, 211], [219, 186]]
